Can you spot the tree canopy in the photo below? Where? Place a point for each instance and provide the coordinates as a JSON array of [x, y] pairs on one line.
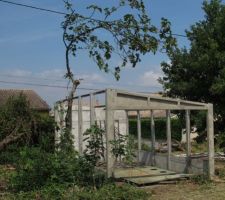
[[130, 34], [198, 73]]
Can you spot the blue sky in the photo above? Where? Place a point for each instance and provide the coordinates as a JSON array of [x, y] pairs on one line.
[[32, 51]]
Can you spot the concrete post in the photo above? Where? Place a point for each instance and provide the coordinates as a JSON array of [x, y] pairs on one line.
[[109, 133], [153, 138], [210, 138], [92, 109], [139, 135], [127, 122], [188, 140], [168, 131], [80, 125]]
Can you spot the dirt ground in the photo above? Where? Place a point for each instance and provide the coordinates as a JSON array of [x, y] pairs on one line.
[[187, 190]]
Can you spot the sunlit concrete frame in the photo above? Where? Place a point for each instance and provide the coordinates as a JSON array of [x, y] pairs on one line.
[[128, 101]]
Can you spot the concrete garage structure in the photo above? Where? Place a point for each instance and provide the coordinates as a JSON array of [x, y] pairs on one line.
[[115, 108]]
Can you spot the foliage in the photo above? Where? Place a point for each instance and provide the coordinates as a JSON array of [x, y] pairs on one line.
[[111, 192], [95, 149], [220, 172], [43, 134], [160, 128], [123, 147], [197, 73], [10, 155], [66, 141], [60, 192], [15, 116], [24, 127], [37, 168], [36, 129], [201, 179], [132, 34]]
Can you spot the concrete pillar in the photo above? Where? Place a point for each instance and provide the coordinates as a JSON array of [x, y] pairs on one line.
[[153, 138], [168, 131], [127, 121], [139, 135], [92, 109], [188, 140], [109, 133], [210, 138], [80, 125]]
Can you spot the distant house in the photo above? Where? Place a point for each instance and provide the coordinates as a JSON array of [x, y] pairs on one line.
[[36, 102]]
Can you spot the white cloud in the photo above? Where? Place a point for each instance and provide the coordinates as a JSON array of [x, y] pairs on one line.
[[92, 78], [20, 72], [150, 78], [52, 73], [31, 37]]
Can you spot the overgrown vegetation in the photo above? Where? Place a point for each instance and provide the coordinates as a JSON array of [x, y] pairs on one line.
[[37, 169]]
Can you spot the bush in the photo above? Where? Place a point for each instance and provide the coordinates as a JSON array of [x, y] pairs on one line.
[[37, 168], [44, 134], [35, 129], [160, 128]]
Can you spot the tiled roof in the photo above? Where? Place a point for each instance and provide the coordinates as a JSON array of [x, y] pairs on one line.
[[36, 102]]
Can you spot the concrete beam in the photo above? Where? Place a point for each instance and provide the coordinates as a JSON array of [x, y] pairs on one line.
[[210, 138], [168, 133]]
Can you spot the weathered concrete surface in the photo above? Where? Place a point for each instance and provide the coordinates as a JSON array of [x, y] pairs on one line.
[[98, 115], [178, 164], [144, 171], [156, 179]]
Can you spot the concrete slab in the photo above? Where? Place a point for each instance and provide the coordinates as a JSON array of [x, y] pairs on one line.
[[146, 171], [156, 179]]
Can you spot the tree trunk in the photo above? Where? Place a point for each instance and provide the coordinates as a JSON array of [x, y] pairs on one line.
[[10, 139], [68, 118]]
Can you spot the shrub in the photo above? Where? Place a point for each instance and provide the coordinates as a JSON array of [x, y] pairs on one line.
[[37, 168], [25, 127], [123, 146], [95, 146]]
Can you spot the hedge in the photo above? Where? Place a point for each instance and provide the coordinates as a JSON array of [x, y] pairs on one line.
[[160, 128]]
